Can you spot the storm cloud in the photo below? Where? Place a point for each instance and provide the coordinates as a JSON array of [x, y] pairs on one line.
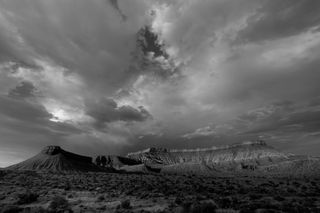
[[107, 110], [112, 76]]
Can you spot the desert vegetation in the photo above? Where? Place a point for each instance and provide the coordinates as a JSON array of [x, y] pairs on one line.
[[22, 191]]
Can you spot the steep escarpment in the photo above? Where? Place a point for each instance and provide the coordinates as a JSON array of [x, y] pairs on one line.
[[54, 158], [253, 153]]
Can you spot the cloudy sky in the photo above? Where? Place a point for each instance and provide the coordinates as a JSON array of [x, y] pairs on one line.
[[113, 76]]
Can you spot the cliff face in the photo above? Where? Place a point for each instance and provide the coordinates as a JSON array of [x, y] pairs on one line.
[[256, 153]]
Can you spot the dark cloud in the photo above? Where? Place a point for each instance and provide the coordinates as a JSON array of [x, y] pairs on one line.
[[107, 110], [24, 89], [27, 111], [278, 19], [150, 57], [30, 117], [174, 58], [81, 36], [149, 43]]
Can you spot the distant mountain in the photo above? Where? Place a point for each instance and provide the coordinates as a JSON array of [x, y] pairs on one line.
[[248, 157], [255, 153], [54, 158]]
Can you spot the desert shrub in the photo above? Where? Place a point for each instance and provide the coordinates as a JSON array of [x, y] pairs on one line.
[[291, 190], [100, 198], [179, 200], [248, 207], [264, 203], [207, 206], [268, 203], [2, 196], [2, 174], [294, 206], [265, 211], [204, 207], [313, 183], [296, 184], [200, 197], [21, 179], [279, 198], [34, 210], [10, 209], [67, 186], [126, 204], [59, 204], [242, 190], [226, 211], [27, 197], [254, 196], [226, 202]]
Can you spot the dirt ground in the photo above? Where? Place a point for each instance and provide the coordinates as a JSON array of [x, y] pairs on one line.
[[113, 192]]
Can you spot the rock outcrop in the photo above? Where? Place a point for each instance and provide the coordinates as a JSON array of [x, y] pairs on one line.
[[54, 158], [116, 162], [244, 158], [248, 153]]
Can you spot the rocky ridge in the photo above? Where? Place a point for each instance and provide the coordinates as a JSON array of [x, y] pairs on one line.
[[258, 153]]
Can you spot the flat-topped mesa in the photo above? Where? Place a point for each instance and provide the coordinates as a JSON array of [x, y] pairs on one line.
[[55, 150], [164, 150], [54, 158], [236, 145], [257, 142], [257, 151]]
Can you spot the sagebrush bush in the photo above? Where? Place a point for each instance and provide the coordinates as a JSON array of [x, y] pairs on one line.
[[100, 198], [126, 204], [207, 206], [27, 197], [10, 209], [59, 204], [226, 211]]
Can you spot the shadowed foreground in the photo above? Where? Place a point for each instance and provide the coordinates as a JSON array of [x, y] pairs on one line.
[[25, 191]]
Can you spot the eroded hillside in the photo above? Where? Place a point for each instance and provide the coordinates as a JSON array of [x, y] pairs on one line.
[[257, 153]]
